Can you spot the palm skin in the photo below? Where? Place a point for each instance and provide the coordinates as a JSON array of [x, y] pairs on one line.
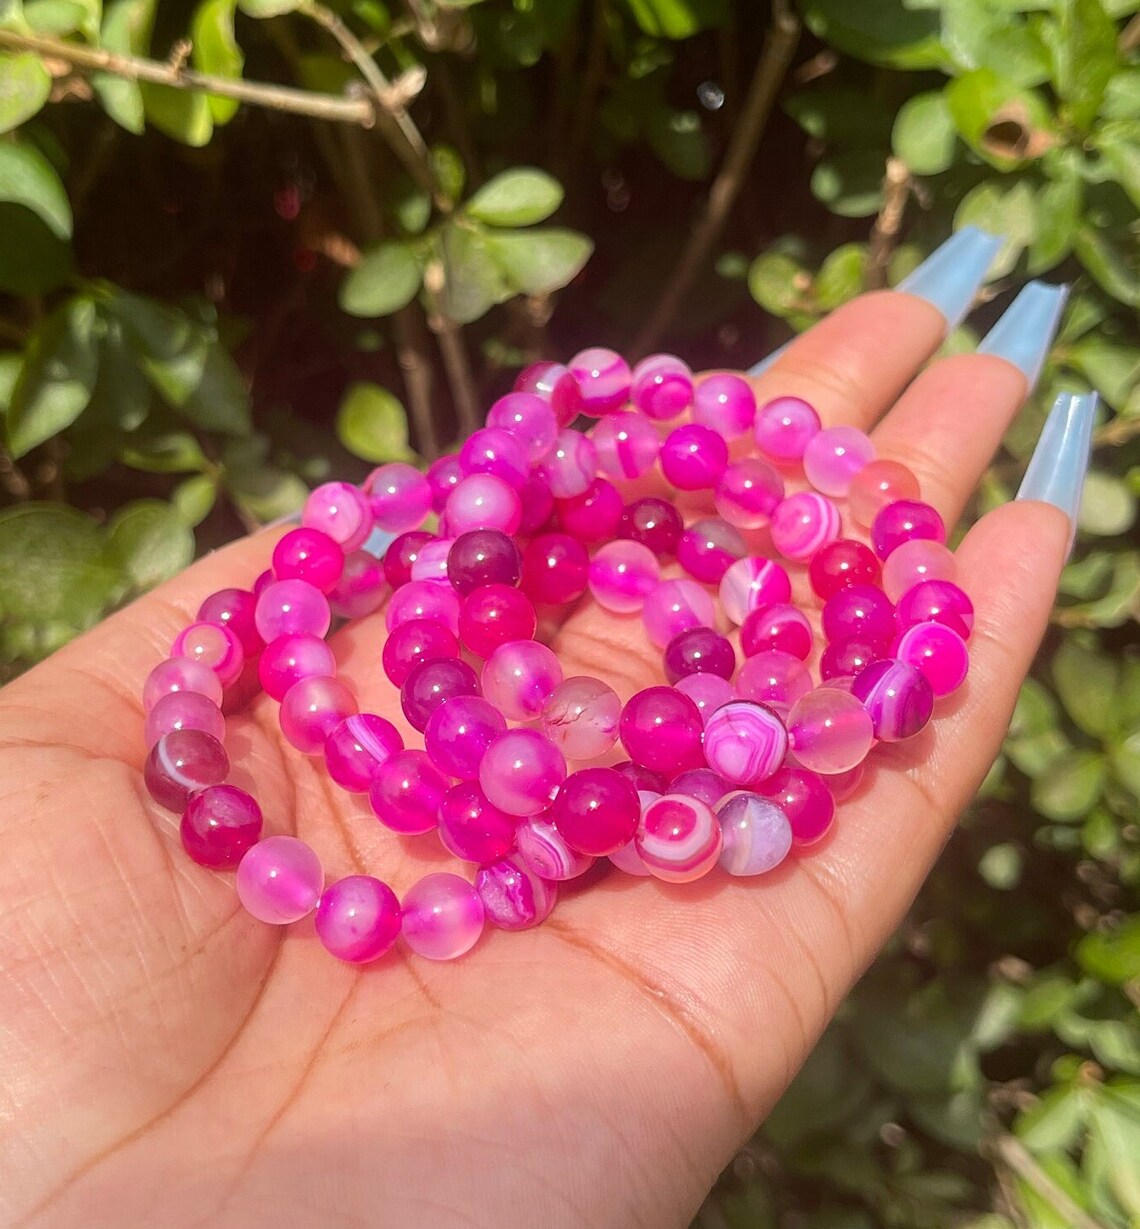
[[167, 1060]]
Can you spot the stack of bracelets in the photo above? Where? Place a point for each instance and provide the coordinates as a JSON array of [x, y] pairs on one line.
[[725, 766]]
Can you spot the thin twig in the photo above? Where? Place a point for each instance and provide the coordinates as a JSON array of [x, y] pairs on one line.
[[360, 111], [451, 347], [587, 94], [779, 46], [13, 479], [1012, 1153], [1130, 37], [885, 233], [1119, 431]]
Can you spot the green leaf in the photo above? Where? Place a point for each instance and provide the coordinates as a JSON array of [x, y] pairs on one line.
[[472, 277], [33, 260], [172, 452], [126, 28], [181, 114], [1055, 1122], [216, 51], [1006, 125], [149, 542], [1048, 995], [449, 171], [268, 8], [24, 88], [1119, 144], [1086, 58], [1122, 95], [678, 139], [519, 197], [1112, 956], [1113, 270], [1008, 209], [1108, 507], [676, 19], [1126, 762], [539, 261], [840, 115], [1115, 1130], [194, 498], [59, 17], [841, 275], [28, 179], [386, 279], [880, 31], [1069, 787], [778, 283], [976, 34], [1001, 866], [924, 135], [850, 184], [10, 365], [1058, 212], [372, 424], [1085, 681]]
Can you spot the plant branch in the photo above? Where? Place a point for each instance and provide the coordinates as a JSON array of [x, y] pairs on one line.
[[1130, 37], [1012, 1153], [359, 111], [587, 95], [13, 479], [885, 233], [1117, 432], [779, 46], [451, 348]]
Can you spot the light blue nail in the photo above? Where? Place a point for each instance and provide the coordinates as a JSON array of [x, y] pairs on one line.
[[1024, 333], [1056, 471], [950, 276], [765, 363]]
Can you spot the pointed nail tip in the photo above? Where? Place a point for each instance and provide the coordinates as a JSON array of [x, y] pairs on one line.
[[1056, 471], [1025, 330], [948, 279]]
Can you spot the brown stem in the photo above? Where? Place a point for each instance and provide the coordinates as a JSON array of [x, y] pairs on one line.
[[1012, 1153], [885, 233], [454, 353], [1119, 431], [588, 93], [779, 45], [13, 478], [1130, 37]]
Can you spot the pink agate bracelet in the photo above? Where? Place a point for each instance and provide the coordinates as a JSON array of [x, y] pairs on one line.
[[725, 765]]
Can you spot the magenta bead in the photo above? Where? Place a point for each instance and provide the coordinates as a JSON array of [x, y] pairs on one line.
[[234, 608], [661, 729], [177, 674], [938, 652], [554, 384], [708, 548], [214, 645], [537, 504], [432, 682], [840, 564], [627, 859], [571, 465], [401, 496], [413, 642], [279, 880], [262, 582], [700, 650], [218, 825], [675, 606], [745, 742], [875, 486], [289, 659], [311, 710], [627, 444], [443, 476], [829, 730], [834, 456], [459, 732], [493, 615], [860, 611], [897, 698], [357, 746], [904, 521], [528, 418], [442, 917], [521, 772], [483, 501], [622, 575], [181, 763], [341, 511], [803, 524], [844, 785], [914, 562], [937, 601], [471, 828], [520, 677], [662, 386], [555, 569], [431, 559], [309, 555], [805, 799], [707, 691], [726, 404], [291, 608], [184, 710], [592, 516], [361, 588], [679, 838], [784, 428], [483, 557], [693, 457], [423, 599], [596, 811], [513, 896], [845, 658], [751, 584], [401, 555], [545, 851], [581, 717], [782, 627], [652, 522], [645, 780], [701, 783], [775, 679], [406, 792], [493, 450], [358, 918], [603, 377], [749, 491], [757, 835]]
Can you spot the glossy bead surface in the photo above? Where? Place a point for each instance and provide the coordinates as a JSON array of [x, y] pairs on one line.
[[603, 378], [309, 555], [521, 772], [860, 611], [840, 564], [784, 427], [938, 652], [443, 476], [700, 650], [644, 779], [834, 456], [845, 658], [897, 698], [904, 521], [757, 836], [627, 443], [423, 599], [627, 859], [554, 384], [493, 615], [483, 501], [652, 522], [915, 561], [340, 510], [279, 880], [288, 659], [357, 746], [545, 851], [520, 677], [725, 403], [530, 419], [358, 918], [702, 783], [184, 710], [782, 627], [493, 450], [806, 800], [537, 504], [513, 896], [555, 569], [406, 792], [431, 559], [214, 645], [707, 691], [402, 554], [596, 811], [661, 729], [679, 838], [693, 457], [311, 709], [218, 825], [362, 586], [622, 575], [459, 732], [483, 557], [829, 730], [234, 608], [675, 606], [878, 484], [401, 496], [291, 608], [181, 763], [178, 674], [581, 717], [432, 682], [937, 601], [571, 465], [775, 679], [592, 516], [442, 917], [708, 548], [471, 828], [662, 386], [749, 491], [413, 642], [745, 742], [751, 584], [803, 524]]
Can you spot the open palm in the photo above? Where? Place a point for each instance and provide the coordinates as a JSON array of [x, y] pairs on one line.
[[167, 1060]]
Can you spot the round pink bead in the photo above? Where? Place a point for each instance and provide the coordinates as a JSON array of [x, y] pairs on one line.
[[521, 772], [775, 679], [939, 653], [401, 555], [181, 763], [662, 386], [430, 562], [184, 710], [904, 521], [622, 575], [745, 742], [596, 811], [860, 611], [756, 832], [708, 548], [571, 465], [520, 677], [483, 501], [805, 799], [675, 606], [554, 384], [443, 476], [357, 746], [581, 717], [513, 896], [423, 599], [555, 569], [262, 582], [749, 491], [845, 658], [784, 428], [545, 851], [805, 523], [340, 510], [679, 838], [432, 682], [844, 785], [214, 645], [603, 377], [627, 444], [471, 828], [537, 504], [897, 698], [290, 608], [406, 792], [361, 588], [442, 917], [782, 627], [530, 419], [915, 561], [289, 659], [693, 457], [401, 496], [358, 918], [751, 584], [707, 691], [493, 615], [415, 641], [459, 732], [592, 516], [661, 729], [726, 403], [178, 674], [876, 485], [219, 824], [279, 880], [493, 450], [829, 730], [627, 859], [710, 787], [308, 554], [834, 456], [937, 601], [311, 710], [234, 608]]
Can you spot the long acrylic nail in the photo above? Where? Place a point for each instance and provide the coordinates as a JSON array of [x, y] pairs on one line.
[[1024, 333], [1056, 471], [765, 363], [950, 276]]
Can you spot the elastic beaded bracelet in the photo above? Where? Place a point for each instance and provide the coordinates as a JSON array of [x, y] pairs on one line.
[[728, 763]]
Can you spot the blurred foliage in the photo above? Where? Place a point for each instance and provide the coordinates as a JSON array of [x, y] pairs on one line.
[[206, 307]]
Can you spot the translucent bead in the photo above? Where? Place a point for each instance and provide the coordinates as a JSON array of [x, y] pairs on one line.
[[555, 384], [357, 746], [442, 917], [513, 896], [521, 772], [291, 608], [726, 403], [483, 557], [875, 486], [844, 785], [904, 521], [693, 457], [707, 691], [661, 729], [700, 650], [627, 859], [234, 609], [361, 588], [218, 825], [214, 645], [806, 801], [177, 674], [401, 555], [603, 377], [749, 491], [358, 918], [751, 584], [834, 456], [471, 828], [432, 682], [701, 783], [596, 811], [493, 615], [915, 561], [184, 710], [581, 717], [897, 698], [555, 568], [860, 611], [423, 599], [937, 601], [459, 732], [340, 510], [431, 558], [840, 564], [662, 386], [592, 516], [938, 652], [627, 444], [745, 742], [645, 780], [845, 658], [530, 419], [571, 465], [675, 606], [262, 582], [288, 659], [492, 450], [775, 679], [782, 627], [757, 836], [537, 504], [443, 476], [483, 501], [784, 427], [279, 880], [413, 642], [401, 496], [312, 709], [708, 548], [829, 730], [406, 792], [652, 522], [805, 523], [679, 838], [622, 575], [520, 677], [309, 555], [181, 763], [545, 852]]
